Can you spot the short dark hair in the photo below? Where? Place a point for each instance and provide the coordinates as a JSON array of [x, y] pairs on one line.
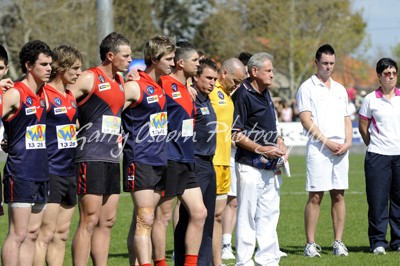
[[111, 43], [385, 63], [3, 54], [31, 51], [183, 48], [206, 62], [324, 49], [244, 57]]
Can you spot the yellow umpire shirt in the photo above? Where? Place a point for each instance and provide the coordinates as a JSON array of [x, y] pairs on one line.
[[223, 107]]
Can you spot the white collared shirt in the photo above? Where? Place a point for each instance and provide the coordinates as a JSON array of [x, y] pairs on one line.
[[328, 106], [384, 115]]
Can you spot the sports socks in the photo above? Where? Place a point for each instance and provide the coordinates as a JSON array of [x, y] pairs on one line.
[[191, 260]]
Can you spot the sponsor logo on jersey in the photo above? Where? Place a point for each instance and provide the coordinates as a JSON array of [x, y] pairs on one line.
[[30, 110], [104, 86], [160, 120], [152, 99], [68, 132], [36, 133], [60, 110]]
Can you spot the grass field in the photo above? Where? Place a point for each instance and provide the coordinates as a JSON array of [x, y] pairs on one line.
[[290, 229]]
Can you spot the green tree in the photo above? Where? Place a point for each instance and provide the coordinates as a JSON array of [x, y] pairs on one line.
[[134, 20], [297, 28], [54, 22], [291, 30]]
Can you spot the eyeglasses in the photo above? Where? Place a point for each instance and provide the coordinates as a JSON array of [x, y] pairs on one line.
[[388, 74]]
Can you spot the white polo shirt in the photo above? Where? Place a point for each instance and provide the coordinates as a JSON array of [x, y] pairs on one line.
[[384, 115], [328, 106]]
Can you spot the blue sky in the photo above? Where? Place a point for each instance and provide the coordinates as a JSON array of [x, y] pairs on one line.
[[383, 25]]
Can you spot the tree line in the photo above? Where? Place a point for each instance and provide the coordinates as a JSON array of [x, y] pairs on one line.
[[291, 30]]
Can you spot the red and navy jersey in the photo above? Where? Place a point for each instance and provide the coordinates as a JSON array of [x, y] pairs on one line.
[[62, 114], [26, 134], [145, 122], [181, 110], [100, 119]]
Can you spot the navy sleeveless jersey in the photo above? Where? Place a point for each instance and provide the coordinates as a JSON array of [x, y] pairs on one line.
[[145, 122], [181, 109], [26, 133], [61, 142], [100, 119]]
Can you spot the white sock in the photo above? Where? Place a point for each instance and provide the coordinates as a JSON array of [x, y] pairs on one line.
[[226, 239]]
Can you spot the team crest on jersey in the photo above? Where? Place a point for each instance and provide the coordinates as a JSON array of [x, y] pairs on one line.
[[73, 104], [121, 88], [29, 101], [150, 89], [101, 78], [221, 95], [174, 87], [104, 86], [42, 103], [1, 99], [57, 101]]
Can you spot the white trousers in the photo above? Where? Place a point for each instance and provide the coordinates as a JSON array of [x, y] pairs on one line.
[[258, 215]]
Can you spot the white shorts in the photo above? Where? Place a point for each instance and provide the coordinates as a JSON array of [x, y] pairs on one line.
[[232, 191], [326, 171]]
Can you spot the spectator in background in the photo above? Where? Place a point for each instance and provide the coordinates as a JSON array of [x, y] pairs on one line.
[[286, 114], [379, 126]]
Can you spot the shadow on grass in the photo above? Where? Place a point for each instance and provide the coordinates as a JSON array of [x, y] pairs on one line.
[[118, 255]]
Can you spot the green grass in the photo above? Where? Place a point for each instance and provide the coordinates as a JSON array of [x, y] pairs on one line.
[[290, 228]]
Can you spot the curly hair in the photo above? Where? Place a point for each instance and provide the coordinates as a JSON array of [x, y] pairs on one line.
[[30, 52]]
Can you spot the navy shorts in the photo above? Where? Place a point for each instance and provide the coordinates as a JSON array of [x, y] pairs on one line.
[[180, 176], [23, 191], [138, 176], [100, 178], [62, 190]]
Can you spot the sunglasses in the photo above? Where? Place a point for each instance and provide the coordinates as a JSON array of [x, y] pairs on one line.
[[388, 74]]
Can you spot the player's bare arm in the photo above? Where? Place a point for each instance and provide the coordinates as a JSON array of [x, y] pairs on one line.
[[132, 93], [83, 85], [11, 103]]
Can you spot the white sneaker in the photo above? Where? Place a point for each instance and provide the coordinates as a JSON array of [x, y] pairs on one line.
[[282, 254], [227, 253], [312, 250], [339, 249], [379, 251]]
